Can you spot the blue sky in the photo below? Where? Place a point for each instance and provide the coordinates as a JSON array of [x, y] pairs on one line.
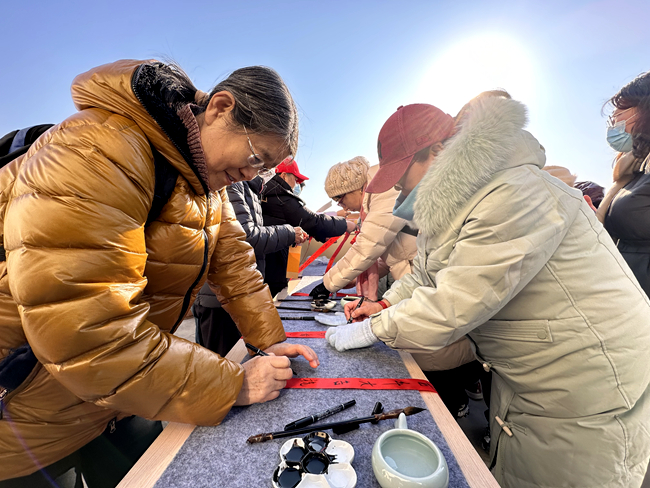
[[349, 64]]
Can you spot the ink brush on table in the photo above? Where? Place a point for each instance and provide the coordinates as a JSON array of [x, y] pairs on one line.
[[335, 426]]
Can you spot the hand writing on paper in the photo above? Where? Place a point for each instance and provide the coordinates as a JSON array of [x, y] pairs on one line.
[[264, 377], [363, 312], [294, 350]]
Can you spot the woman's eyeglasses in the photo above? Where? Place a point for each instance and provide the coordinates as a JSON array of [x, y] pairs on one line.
[[255, 161], [338, 198]]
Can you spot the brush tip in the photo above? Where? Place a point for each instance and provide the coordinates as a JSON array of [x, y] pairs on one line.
[[413, 410]]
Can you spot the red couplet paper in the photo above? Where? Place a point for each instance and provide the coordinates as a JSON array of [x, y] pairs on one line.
[[320, 251], [361, 384], [317, 334]]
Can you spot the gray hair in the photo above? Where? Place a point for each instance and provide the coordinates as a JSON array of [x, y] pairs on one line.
[[263, 103]]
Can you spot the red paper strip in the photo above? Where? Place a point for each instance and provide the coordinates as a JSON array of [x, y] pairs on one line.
[[361, 384], [318, 252], [336, 253], [317, 334]]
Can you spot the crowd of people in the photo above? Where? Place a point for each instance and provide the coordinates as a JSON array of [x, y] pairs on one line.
[[509, 278]]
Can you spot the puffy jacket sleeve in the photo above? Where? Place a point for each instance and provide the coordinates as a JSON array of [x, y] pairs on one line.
[[265, 239], [74, 234], [320, 226], [234, 278], [378, 231], [506, 240]]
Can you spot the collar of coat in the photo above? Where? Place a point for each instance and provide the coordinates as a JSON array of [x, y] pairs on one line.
[[277, 186], [255, 185], [132, 89], [488, 137]]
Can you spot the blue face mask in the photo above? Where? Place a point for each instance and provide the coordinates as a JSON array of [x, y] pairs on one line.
[[404, 205], [618, 139], [297, 189]]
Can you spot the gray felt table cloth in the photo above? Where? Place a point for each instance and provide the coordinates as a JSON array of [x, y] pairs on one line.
[[220, 457]]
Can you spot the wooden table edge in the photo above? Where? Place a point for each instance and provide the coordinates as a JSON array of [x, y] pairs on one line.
[[153, 463], [476, 472]]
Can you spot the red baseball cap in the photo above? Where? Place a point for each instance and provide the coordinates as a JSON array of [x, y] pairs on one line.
[[407, 131], [289, 165]]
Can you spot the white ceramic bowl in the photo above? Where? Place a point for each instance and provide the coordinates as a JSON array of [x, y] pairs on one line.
[[404, 458]]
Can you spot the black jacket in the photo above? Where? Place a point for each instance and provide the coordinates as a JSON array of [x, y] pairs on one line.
[[245, 199], [265, 239], [628, 222], [281, 206]]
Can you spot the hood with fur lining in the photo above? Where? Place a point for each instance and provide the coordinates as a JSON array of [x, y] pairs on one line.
[[490, 134]]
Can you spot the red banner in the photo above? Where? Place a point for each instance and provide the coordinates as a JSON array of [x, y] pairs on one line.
[[319, 251], [361, 384], [336, 253], [317, 334]]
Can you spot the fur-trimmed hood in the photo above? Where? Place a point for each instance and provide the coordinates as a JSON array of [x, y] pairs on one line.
[[491, 139]]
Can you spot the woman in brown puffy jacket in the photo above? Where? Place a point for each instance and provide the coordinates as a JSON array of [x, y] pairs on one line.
[[90, 292]]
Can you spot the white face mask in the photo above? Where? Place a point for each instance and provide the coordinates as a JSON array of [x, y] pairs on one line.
[[297, 189], [618, 139]]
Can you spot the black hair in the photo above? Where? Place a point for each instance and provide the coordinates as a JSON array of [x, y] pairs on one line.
[[637, 94]]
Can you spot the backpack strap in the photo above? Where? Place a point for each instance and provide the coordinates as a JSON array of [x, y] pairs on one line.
[[14, 369], [17, 142]]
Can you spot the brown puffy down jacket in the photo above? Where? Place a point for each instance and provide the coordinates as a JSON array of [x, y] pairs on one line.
[[96, 294]]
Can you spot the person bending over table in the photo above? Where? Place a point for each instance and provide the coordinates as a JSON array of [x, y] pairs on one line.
[[383, 236], [518, 261], [387, 237], [281, 205], [91, 293]]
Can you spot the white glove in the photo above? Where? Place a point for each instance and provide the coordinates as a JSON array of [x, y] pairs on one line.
[[337, 318], [351, 336]]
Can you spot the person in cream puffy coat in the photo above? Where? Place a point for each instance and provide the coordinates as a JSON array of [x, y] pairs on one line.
[[518, 261], [382, 235]]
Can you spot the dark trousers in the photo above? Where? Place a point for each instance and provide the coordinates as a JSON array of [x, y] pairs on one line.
[[276, 271], [215, 329], [103, 462], [451, 383]]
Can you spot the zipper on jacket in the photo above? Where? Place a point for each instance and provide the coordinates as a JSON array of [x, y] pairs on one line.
[[186, 299], [188, 294]]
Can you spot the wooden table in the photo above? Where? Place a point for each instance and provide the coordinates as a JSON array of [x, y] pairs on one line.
[[160, 454]]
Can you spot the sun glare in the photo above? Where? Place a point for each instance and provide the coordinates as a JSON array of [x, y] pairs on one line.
[[474, 65]]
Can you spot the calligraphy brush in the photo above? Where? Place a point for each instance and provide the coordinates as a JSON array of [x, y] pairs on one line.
[[393, 414], [298, 317]]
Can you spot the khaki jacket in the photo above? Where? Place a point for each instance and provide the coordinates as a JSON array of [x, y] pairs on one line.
[[517, 260], [380, 237], [98, 295]]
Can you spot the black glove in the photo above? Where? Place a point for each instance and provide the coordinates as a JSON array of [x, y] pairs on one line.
[[320, 292]]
